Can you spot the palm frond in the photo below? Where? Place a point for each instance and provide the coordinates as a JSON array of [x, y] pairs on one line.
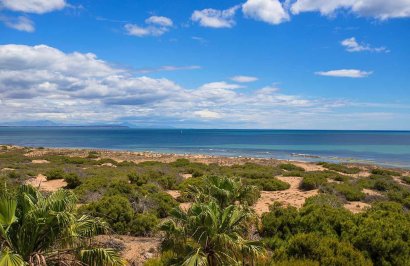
[[8, 258], [101, 256]]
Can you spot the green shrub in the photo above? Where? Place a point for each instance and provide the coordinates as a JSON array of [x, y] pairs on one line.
[[137, 179], [116, 210], [268, 184], [291, 167], [143, 224], [340, 168], [406, 179], [279, 221], [55, 174], [349, 191], [14, 175], [379, 171], [72, 180], [93, 155], [325, 250], [180, 163]]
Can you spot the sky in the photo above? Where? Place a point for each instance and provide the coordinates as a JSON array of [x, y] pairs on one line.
[[269, 64]]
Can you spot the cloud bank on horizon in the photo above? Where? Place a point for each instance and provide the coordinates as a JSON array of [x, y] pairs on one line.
[[174, 82]]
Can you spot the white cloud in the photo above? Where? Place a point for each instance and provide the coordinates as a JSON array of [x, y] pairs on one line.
[[380, 9], [270, 11], [158, 20], [352, 45], [20, 23], [41, 82], [244, 79], [156, 26], [167, 68], [33, 6], [345, 73], [214, 18], [207, 114], [220, 85]]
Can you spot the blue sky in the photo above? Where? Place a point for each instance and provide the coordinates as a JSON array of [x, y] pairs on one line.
[[297, 64]]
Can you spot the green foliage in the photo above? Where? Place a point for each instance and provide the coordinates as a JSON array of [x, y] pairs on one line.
[[280, 221], [349, 191], [72, 180], [144, 224], [379, 171], [340, 168], [14, 175], [291, 167], [137, 179], [406, 179], [33, 228], [313, 180], [325, 250], [93, 155], [55, 174], [116, 210], [268, 184]]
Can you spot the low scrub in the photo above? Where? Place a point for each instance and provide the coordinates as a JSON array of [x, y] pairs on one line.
[[340, 168]]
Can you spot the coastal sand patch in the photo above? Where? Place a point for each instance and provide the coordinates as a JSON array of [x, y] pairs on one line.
[[39, 161], [292, 196], [8, 169], [370, 192], [186, 176], [41, 182], [356, 206], [309, 167], [136, 250]]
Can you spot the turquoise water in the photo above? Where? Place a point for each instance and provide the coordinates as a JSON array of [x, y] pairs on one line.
[[389, 148]]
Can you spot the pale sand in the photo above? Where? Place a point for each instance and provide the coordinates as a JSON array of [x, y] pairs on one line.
[[39, 161], [356, 206], [109, 165], [308, 166], [292, 196], [41, 182], [175, 194], [8, 169], [136, 249]]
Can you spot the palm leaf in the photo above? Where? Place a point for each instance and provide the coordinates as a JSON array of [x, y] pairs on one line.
[[7, 211], [10, 259], [101, 256]]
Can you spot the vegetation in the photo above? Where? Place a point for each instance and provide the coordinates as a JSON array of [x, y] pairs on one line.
[[217, 226], [40, 230], [340, 168]]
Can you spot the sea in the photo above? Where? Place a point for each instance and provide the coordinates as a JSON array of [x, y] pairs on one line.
[[385, 148]]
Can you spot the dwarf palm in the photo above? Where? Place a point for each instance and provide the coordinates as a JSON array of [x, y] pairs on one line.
[[225, 191], [38, 230], [208, 234]]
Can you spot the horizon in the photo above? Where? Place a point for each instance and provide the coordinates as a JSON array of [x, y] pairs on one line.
[[250, 64]]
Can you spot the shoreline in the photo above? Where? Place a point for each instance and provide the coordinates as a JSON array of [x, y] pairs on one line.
[[141, 156]]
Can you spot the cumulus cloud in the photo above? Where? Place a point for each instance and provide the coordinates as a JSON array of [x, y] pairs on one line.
[[345, 73], [207, 114], [43, 83], [33, 6], [214, 18], [379, 9], [155, 26], [270, 11], [20, 23], [352, 45], [244, 79]]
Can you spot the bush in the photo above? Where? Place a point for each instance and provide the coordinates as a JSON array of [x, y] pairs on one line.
[[143, 224], [279, 221], [55, 174], [72, 180], [267, 184], [350, 192], [379, 171], [325, 250], [340, 168], [137, 179], [92, 155], [406, 179], [116, 210], [14, 175], [291, 167]]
